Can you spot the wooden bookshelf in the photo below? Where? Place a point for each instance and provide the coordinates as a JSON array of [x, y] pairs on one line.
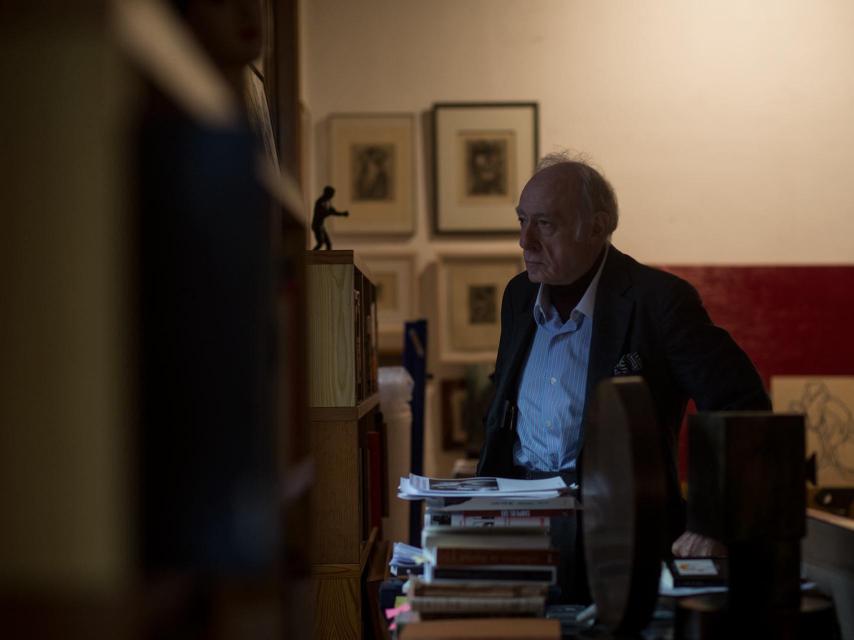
[[344, 401]]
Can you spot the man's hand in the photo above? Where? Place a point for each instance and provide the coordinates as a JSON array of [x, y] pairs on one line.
[[694, 545]]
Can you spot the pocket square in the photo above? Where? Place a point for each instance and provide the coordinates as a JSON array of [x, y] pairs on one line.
[[630, 364]]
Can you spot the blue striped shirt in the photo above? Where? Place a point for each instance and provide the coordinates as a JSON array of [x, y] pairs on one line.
[[553, 384]]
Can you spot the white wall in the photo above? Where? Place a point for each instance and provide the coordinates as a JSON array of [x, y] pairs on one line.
[[727, 128]]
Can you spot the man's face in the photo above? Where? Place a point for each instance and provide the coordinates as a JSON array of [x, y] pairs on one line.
[[555, 248]]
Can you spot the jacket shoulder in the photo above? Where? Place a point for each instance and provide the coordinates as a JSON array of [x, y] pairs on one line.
[[648, 278]]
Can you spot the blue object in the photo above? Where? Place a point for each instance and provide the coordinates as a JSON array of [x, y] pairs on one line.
[[415, 361]]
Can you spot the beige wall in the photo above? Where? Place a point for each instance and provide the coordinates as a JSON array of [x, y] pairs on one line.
[[726, 127]]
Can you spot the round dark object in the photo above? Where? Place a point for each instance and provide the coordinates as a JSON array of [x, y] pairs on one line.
[[707, 618], [623, 493]]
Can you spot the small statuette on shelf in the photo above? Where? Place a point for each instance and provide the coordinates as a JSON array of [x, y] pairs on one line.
[[323, 209]]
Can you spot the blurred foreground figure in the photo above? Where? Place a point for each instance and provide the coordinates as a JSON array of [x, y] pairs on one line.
[[229, 30], [207, 322]]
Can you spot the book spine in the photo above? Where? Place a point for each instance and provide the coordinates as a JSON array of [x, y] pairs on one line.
[[359, 346], [510, 574], [431, 604], [374, 480], [446, 556]]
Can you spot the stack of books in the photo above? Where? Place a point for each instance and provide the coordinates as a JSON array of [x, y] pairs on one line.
[[461, 599], [491, 539], [486, 546]]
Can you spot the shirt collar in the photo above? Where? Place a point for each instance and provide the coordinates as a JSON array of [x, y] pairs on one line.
[[543, 310]]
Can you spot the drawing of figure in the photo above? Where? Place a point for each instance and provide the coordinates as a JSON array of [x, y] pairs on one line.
[[832, 422], [487, 167], [482, 304], [373, 166]]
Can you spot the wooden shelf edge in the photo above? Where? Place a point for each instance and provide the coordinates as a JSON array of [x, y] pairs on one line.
[[831, 518], [343, 414], [339, 256], [367, 548], [335, 256]]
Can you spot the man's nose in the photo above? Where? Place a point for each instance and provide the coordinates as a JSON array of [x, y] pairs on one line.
[[527, 240]]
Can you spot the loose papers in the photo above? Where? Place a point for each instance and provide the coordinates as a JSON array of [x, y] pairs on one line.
[[419, 487]]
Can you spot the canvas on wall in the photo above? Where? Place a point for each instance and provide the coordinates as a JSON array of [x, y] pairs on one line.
[[827, 403]]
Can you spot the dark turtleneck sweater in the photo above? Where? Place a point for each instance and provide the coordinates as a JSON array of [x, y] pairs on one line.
[[565, 297]]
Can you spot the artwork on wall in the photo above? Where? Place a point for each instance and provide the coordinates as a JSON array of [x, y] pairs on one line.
[[394, 276], [470, 289], [483, 154], [453, 398], [464, 402], [372, 170], [827, 403]]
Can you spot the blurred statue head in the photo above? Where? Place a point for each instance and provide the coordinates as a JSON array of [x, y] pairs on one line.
[[229, 30]]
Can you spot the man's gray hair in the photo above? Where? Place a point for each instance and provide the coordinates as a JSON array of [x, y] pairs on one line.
[[596, 192]]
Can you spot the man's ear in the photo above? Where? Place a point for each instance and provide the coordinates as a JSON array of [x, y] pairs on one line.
[[599, 228]]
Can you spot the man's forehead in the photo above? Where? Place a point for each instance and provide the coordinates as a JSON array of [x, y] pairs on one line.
[[550, 190]]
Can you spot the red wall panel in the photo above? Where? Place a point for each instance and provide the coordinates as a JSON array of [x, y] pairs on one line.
[[791, 320]]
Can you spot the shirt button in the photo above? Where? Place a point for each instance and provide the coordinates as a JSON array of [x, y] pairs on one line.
[[548, 423], [553, 380]]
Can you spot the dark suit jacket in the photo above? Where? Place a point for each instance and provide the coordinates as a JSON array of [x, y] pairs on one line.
[[638, 310]]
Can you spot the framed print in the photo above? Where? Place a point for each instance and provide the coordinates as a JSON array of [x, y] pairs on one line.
[[371, 167], [470, 289], [827, 403], [394, 277], [454, 394], [483, 154]]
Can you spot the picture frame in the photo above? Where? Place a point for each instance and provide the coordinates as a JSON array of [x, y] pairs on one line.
[[470, 289], [827, 403], [394, 275], [483, 153], [372, 168], [453, 396]]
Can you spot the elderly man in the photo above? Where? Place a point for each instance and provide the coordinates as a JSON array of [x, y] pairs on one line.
[[582, 312]]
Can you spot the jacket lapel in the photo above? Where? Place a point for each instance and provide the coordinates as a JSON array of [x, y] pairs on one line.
[[521, 340], [611, 320]]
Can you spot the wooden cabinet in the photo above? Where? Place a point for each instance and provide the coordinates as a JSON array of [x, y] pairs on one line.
[[343, 411]]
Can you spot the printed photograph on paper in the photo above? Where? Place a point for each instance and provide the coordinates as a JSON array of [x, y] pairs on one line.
[[464, 484]]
